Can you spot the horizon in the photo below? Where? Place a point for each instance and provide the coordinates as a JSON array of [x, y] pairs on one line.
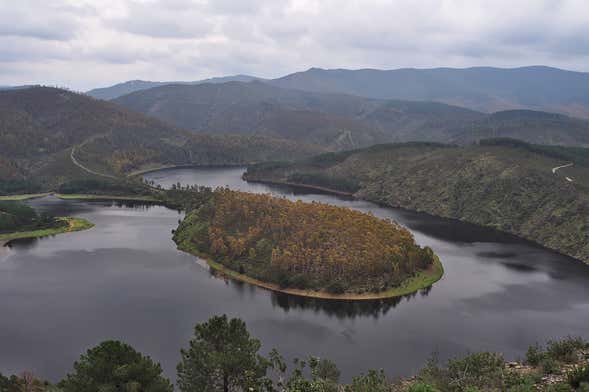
[[259, 78], [103, 43]]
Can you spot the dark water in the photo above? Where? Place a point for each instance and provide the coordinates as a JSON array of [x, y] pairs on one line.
[[124, 279]]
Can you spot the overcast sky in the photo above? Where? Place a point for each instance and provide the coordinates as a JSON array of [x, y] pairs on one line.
[[83, 44]]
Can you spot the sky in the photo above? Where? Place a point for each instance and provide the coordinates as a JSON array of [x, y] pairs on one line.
[[82, 44]]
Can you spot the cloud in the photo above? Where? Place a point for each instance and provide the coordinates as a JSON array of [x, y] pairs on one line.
[[88, 43]]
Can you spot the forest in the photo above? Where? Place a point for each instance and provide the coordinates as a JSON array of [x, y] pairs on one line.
[[309, 246]]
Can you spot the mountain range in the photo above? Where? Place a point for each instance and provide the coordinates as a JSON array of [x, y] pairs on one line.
[[485, 89], [341, 121]]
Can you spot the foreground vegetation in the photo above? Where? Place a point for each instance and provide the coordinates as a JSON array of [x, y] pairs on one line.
[[307, 246], [502, 183], [223, 356]]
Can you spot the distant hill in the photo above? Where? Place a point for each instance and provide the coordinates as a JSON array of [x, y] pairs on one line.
[[501, 183], [41, 128], [340, 121], [484, 89], [120, 89], [532, 126], [335, 121]]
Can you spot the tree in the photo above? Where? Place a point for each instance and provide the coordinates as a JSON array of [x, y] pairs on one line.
[[222, 357], [115, 366]]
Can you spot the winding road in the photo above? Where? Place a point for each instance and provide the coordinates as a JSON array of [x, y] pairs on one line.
[[75, 162], [555, 169]]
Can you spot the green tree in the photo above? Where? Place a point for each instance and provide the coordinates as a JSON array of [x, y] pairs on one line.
[[222, 357], [115, 366], [373, 381]]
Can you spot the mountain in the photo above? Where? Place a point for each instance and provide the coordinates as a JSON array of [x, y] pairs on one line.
[[501, 183], [49, 136], [335, 121], [340, 121], [484, 89], [120, 89]]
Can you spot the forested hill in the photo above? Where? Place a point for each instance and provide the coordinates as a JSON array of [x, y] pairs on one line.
[[339, 121], [42, 128], [335, 121], [486, 89], [501, 183], [312, 247]]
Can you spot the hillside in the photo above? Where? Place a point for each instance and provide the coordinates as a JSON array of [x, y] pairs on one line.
[[41, 129], [120, 89], [485, 89], [335, 121], [339, 121], [504, 184], [531, 126], [303, 246]]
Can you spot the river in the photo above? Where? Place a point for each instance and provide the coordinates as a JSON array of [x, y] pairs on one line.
[[124, 279]]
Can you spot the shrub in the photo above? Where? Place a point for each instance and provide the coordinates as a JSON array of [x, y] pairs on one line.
[[422, 387], [549, 366], [565, 350], [578, 376], [535, 355], [373, 381], [559, 387], [483, 370]]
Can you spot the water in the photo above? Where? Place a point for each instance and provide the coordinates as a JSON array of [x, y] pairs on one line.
[[124, 279]]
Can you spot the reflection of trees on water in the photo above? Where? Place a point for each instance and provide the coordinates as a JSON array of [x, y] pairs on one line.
[[343, 309]]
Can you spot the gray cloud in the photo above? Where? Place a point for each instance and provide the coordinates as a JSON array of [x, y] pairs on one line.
[[87, 43]]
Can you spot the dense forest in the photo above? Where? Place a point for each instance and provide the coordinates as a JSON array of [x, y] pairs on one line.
[[501, 183], [310, 246], [223, 356]]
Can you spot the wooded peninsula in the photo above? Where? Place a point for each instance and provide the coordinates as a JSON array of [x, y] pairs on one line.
[[310, 249]]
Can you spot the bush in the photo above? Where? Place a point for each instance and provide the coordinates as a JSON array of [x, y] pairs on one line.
[[535, 355], [560, 387], [578, 376], [549, 366], [483, 370], [373, 381], [565, 350], [422, 387]]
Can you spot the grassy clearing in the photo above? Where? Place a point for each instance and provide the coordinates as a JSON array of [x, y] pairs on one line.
[[105, 197], [74, 224], [420, 281], [23, 197]]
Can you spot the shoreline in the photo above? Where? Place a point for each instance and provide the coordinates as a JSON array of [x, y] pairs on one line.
[[341, 193], [412, 285], [89, 196], [74, 224], [304, 186]]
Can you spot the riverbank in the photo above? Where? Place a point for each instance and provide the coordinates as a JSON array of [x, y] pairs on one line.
[[384, 204], [420, 281], [22, 197], [74, 224], [146, 198]]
